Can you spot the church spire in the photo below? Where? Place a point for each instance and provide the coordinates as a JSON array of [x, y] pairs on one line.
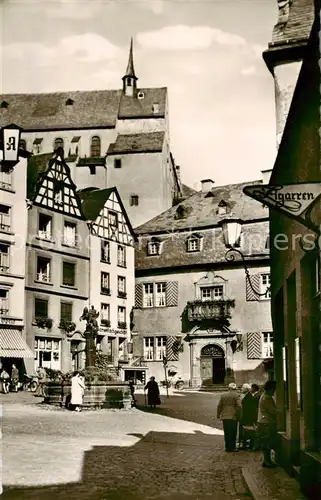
[[130, 79]]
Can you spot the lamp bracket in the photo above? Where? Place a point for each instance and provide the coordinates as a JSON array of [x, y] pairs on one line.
[[230, 256]]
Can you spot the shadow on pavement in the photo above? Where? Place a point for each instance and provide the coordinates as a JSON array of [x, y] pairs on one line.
[[174, 466]]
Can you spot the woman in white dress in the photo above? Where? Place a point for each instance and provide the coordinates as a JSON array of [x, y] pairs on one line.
[[77, 391]]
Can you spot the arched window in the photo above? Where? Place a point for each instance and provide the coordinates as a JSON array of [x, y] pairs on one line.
[[23, 144], [95, 147], [59, 143]]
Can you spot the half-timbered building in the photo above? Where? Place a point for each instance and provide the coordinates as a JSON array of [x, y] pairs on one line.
[[57, 265], [191, 305], [111, 244]]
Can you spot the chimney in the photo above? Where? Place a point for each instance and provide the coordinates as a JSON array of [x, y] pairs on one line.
[[207, 185], [266, 174]]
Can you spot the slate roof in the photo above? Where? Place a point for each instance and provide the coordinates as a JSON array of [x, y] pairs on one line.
[[201, 210], [92, 201], [187, 191], [299, 24], [132, 108], [151, 142], [91, 109], [173, 250], [201, 217]]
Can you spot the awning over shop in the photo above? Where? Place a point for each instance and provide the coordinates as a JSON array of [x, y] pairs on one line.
[[12, 345]]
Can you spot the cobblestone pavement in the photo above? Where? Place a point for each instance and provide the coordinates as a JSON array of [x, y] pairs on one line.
[[197, 407], [115, 455]]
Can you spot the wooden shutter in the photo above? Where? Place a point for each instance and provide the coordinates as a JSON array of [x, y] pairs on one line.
[[41, 308], [254, 345], [68, 274], [172, 348], [66, 311], [171, 293], [139, 295], [255, 280]]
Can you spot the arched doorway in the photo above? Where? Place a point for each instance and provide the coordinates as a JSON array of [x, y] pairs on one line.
[[212, 365]]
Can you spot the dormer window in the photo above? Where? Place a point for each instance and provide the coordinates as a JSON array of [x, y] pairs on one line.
[[69, 102], [194, 243], [155, 108], [153, 247], [180, 212], [4, 105], [222, 208], [140, 95]]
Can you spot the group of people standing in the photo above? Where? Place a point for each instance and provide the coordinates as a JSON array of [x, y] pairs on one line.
[[253, 413], [9, 382]]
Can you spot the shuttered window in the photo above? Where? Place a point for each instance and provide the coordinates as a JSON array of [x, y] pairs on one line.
[[41, 308], [163, 294], [66, 311], [68, 273]]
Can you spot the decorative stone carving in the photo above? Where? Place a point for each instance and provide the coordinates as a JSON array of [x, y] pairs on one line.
[[213, 351]]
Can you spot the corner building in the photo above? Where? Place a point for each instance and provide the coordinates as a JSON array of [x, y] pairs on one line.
[[191, 304]]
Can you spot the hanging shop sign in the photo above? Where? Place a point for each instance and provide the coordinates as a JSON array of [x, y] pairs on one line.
[[294, 200]]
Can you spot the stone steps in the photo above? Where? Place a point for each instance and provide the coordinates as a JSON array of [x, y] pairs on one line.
[[214, 388], [271, 484]]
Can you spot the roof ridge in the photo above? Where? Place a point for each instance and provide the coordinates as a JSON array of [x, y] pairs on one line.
[[3, 94]]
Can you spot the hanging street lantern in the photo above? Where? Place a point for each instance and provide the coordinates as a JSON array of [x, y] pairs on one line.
[[9, 146]]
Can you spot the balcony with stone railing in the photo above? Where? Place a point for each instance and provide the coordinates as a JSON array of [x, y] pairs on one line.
[[211, 312]]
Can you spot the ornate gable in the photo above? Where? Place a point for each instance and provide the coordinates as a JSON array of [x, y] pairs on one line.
[[56, 191], [111, 222]]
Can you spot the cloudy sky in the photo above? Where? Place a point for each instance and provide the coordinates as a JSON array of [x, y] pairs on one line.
[[207, 52]]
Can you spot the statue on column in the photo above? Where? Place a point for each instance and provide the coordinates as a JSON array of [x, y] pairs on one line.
[[90, 334]]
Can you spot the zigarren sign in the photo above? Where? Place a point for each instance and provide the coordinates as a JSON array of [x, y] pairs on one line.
[[294, 200]]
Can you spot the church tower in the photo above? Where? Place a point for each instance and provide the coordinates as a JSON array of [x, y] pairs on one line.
[[130, 79]]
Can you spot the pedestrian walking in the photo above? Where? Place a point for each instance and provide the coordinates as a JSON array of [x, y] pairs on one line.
[[267, 428], [247, 426], [14, 378], [153, 395], [77, 391], [229, 411]]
